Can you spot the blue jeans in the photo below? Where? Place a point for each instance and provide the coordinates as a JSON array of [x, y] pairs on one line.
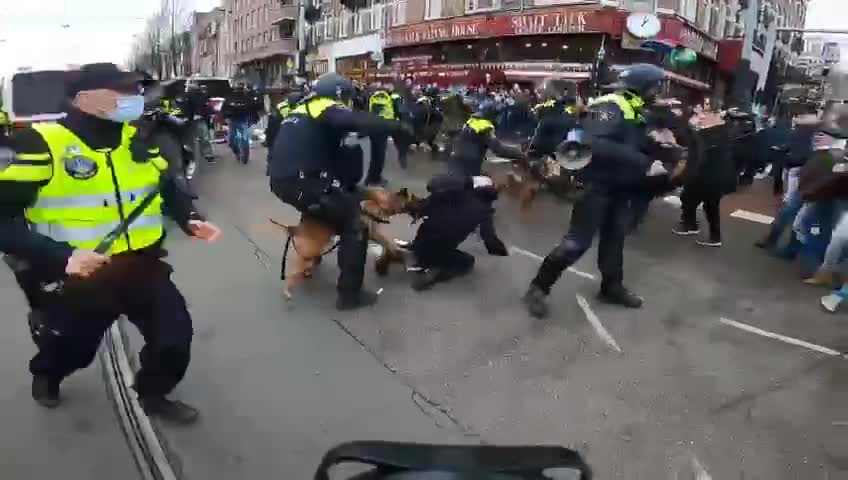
[[785, 217], [239, 139]]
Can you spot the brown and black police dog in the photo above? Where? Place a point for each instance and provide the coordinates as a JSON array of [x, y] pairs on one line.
[[311, 238]]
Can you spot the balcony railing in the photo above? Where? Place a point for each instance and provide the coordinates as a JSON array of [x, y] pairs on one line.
[[361, 22], [282, 46], [279, 13]]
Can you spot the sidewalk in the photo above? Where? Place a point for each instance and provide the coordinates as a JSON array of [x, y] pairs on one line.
[[80, 440], [277, 384]]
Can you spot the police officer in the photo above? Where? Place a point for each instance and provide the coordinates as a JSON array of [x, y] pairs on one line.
[[466, 158], [276, 117], [385, 103], [310, 168], [614, 128], [456, 206], [556, 116], [74, 182]]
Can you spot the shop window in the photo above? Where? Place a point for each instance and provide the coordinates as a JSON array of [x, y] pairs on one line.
[[432, 9], [481, 5]]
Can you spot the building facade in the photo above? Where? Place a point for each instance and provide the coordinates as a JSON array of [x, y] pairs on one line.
[[528, 40], [208, 58], [261, 43], [350, 42]]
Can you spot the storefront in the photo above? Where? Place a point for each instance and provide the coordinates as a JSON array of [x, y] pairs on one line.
[[562, 42], [523, 48]]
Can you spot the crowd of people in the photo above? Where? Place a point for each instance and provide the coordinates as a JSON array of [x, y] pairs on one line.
[[82, 199]]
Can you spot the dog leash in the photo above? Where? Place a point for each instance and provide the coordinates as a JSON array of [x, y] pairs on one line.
[[290, 244]]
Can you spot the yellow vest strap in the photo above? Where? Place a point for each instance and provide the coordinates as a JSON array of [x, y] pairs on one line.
[[92, 201], [62, 233]]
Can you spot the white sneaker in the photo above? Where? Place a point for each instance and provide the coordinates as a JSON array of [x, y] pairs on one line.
[[831, 302]]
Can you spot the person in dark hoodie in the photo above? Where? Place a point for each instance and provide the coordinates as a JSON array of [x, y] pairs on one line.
[[711, 175]]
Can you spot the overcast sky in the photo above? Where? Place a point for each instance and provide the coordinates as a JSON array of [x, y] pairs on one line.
[[97, 30], [102, 30]]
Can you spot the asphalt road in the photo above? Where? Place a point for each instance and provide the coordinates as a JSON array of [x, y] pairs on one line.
[[81, 440], [679, 389]]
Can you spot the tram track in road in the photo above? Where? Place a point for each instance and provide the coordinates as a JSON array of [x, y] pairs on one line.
[[143, 440]]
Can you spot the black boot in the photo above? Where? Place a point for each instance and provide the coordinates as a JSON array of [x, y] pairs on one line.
[[172, 411], [425, 279], [535, 302], [45, 391], [352, 301], [619, 295], [496, 247]]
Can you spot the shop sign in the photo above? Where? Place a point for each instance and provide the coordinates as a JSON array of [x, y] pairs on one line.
[[565, 21], [551, 21]]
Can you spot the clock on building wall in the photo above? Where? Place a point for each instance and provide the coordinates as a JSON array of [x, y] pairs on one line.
[[643, 25]]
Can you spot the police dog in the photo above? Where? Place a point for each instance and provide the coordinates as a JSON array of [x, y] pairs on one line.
[[311, 238]]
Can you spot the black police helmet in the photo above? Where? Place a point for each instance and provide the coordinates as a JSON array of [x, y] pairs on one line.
[[333, 85], [488, 110], [641, 78], [294, 97], [834, 122]]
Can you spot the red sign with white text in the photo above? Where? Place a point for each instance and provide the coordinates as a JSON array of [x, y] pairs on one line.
[[552, 21]]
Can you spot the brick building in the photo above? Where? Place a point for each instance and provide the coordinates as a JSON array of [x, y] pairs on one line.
[[262, 41], [208, 57]]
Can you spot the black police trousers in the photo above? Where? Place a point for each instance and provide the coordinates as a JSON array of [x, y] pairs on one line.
[[378, 159], [71, 330], [340, 210], [597, 210]]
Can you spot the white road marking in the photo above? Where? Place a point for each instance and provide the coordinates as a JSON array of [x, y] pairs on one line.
[[540, 258], [700, 471], [782, 338], [596, 323], [752, 216]]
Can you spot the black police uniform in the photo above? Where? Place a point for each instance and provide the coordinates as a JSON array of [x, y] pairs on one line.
[[616, 135], [555, 120], [310, 168], [452, 211], [466, 160], [73, 325]]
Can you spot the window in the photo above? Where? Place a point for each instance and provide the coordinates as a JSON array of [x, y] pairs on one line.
[[432, 9], [286, 28], [344, 20], [475, 6], [397, 12], [639, 5], [689, 9], [378, 12]]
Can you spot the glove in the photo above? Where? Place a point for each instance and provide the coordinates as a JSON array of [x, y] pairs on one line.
[[656, 169]]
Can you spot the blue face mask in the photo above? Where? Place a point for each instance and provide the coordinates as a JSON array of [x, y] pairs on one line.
[[129, 108]]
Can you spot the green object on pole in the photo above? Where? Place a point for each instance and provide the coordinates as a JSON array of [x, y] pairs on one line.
[[683, 56]]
